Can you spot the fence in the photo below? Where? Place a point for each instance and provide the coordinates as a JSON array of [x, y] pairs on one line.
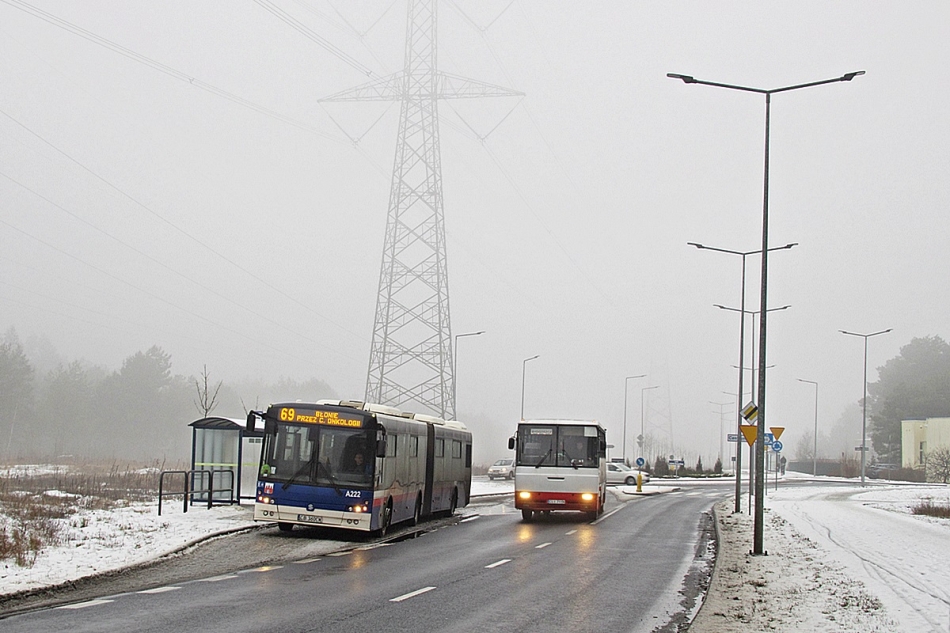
[[188, 492]]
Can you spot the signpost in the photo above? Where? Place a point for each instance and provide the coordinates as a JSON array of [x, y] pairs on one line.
[[777, 449]]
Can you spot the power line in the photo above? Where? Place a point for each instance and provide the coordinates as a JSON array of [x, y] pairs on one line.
[[200, 285], [164, 68], [180, 230], [313, 36]]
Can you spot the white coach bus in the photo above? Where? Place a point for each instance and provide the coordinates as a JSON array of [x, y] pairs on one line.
[[560, 465]]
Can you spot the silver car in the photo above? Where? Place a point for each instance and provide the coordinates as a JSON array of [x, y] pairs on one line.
[[621, 474], [502, 469]]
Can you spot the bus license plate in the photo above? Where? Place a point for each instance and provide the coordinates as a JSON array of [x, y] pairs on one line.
[[306, 518], [555, 500]]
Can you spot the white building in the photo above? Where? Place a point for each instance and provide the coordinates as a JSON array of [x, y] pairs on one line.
[[921, 435]]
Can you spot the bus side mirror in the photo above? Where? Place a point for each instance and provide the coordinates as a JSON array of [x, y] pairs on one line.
[[511, 443], [380, 444], [603, 449], [251, 421]]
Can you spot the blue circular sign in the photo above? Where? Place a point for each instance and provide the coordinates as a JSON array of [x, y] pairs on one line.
[[776, 446], [641, 461]]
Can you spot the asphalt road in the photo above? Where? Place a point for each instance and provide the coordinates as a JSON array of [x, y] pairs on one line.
[[640, 567]]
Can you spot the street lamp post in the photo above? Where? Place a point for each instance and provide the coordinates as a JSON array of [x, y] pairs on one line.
[[721, 405], [642, 436], [524, 364], [758, 530], [864, 401], [742, 310], [753, 472], [814, 455], [625, 390], [455, 361]]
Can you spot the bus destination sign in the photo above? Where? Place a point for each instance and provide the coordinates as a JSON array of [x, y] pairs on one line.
[[329, 418]]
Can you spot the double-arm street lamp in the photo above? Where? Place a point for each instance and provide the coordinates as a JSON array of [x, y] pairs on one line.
[[625, 390], [758, 531], [814, 456], [524, 364], [455, 362], [864, 401], [742, 310]]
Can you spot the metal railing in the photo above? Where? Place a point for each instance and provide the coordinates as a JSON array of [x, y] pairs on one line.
[[188, 492]]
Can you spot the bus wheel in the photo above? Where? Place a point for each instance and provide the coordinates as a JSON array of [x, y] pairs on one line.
[[526, 515], [385, 518], [285, 527], [417, 512]]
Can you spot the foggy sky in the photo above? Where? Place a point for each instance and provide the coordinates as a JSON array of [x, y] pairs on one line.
[[249, 245]]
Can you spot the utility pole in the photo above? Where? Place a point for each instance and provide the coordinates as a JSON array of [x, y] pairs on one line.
[[411, 353]]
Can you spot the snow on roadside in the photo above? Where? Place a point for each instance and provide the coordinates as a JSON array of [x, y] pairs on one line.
[[97, 541], [796, 587], [871, 533]]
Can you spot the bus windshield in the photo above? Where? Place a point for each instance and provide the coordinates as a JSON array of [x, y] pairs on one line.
[[319, 456], [558, 445]]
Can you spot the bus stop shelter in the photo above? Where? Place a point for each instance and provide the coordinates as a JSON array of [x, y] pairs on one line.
[[224, 444]]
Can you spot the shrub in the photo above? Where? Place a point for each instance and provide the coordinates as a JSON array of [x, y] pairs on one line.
[[929, 508]]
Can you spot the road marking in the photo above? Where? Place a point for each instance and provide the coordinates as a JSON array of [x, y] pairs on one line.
[[305, 561], [498, 564], [260, 570], [542, 546], [571, 532], [217, 578], [159, 589], [367, 548], [83, 605], [412, 594], [471, 518], [604, 517], [346, 553]]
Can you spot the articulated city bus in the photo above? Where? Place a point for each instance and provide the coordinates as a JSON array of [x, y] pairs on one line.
[[560, 465], [358, 466]]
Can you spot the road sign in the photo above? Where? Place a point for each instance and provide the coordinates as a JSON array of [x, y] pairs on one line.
[[750, 432], [777, 431], [769, 438], [776, 446], [732, 437], [641, 461], [750, 411], [676, 462], [860, 448]]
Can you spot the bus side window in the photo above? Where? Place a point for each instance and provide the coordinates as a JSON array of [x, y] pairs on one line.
[[456, 449], [468, 455], [440, 448], [391, 442]]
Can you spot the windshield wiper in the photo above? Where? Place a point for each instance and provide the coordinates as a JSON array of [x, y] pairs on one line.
[[544, 457], [333, 483], [297, 474]]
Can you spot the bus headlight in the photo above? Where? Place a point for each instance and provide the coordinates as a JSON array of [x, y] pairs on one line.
[[524, 494], [587, 496]]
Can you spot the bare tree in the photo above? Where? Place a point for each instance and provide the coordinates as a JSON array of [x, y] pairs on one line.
[[207, 399], [938, 465]]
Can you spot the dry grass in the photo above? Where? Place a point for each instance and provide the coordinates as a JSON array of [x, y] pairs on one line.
[[929, 508], [36, 502]]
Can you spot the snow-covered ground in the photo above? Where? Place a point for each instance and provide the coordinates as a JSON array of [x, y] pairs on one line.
[[840, 558]]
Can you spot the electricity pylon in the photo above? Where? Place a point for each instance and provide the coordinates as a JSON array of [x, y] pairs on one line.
[[411, 355]]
